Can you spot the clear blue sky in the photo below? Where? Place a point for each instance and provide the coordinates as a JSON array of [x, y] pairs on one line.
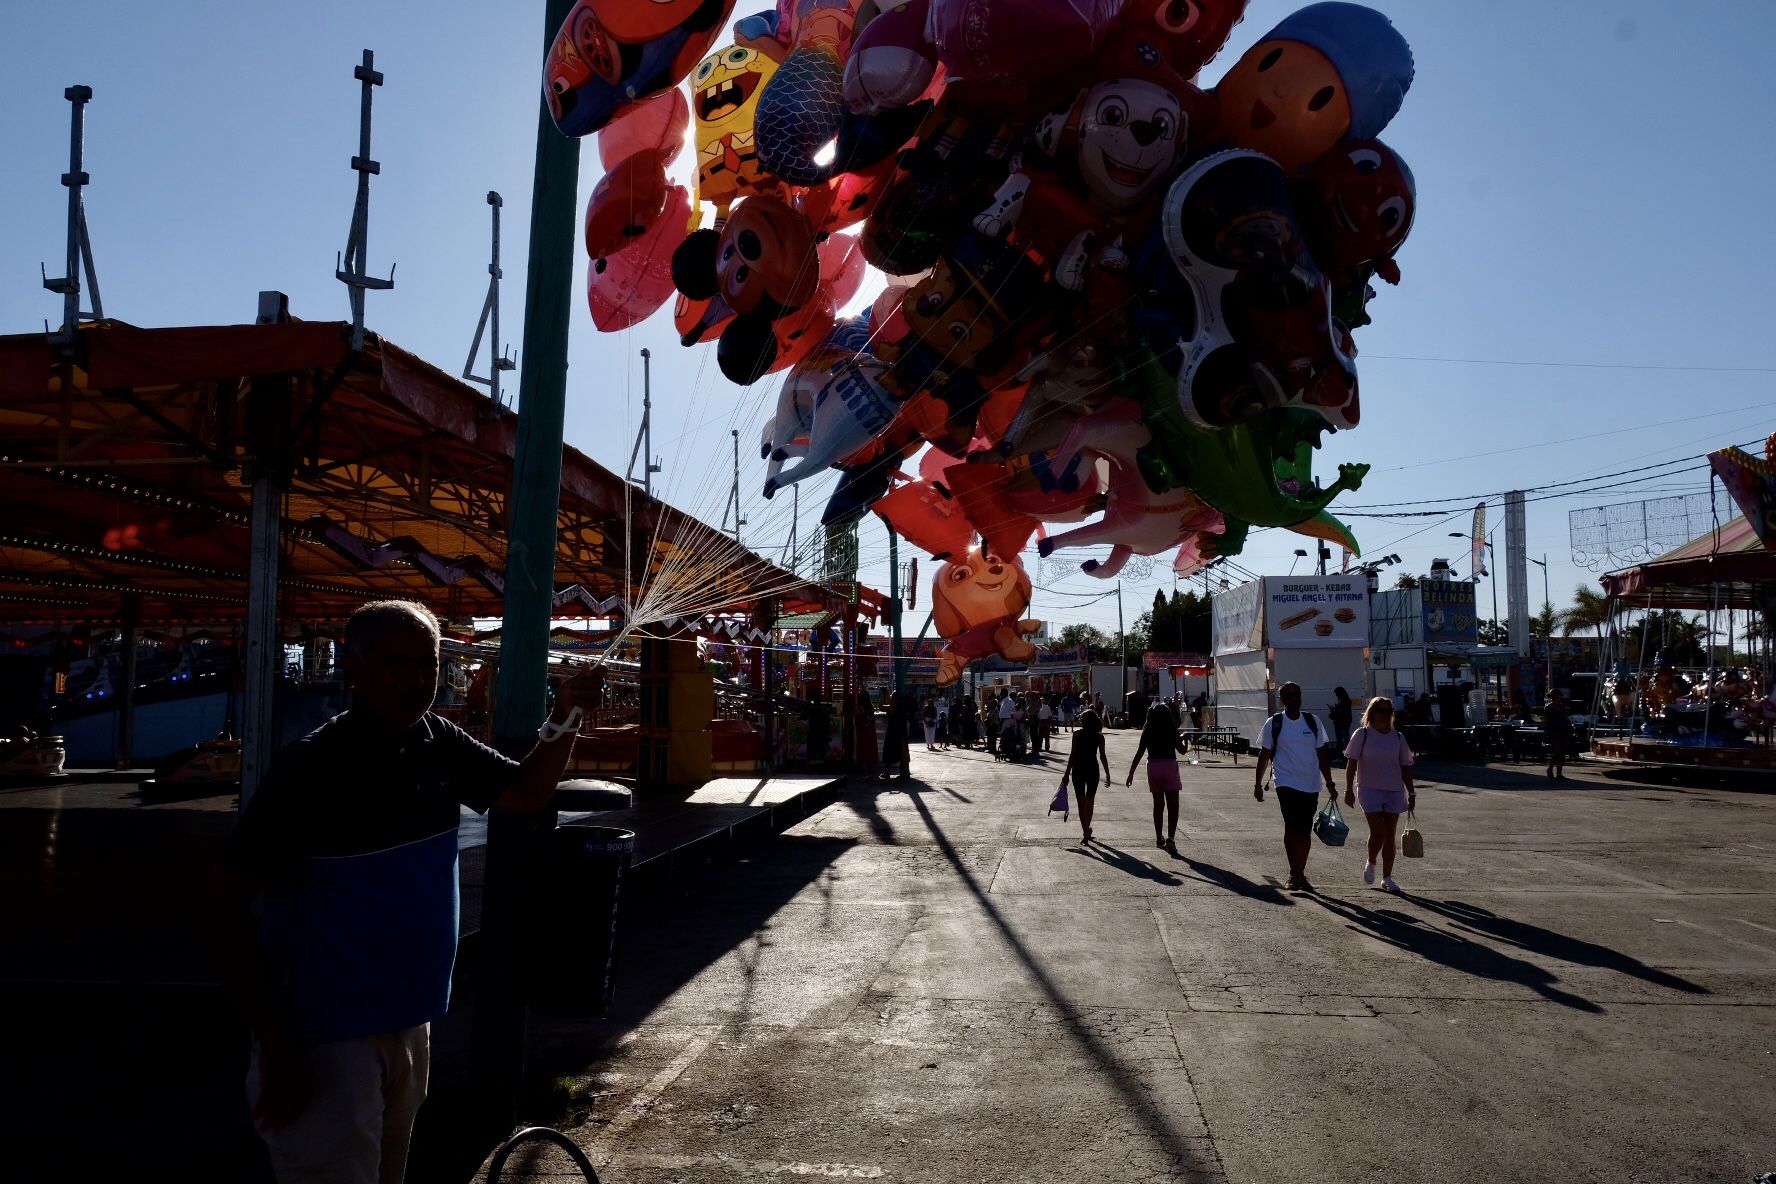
[[1595, 185]]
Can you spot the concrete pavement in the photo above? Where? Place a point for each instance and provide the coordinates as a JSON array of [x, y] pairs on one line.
[[933, 981]]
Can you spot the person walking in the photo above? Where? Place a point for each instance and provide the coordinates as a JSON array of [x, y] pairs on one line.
[[1070, 711], [928, 717], [896, 738], [1380, 770], [1557, 730], [1009, 707], [1045, 723], [1196, 710], [1295, 742], [1341, 712], [1160, 745], [990, 720], [347, 854], [943, 725], [1087, 754]]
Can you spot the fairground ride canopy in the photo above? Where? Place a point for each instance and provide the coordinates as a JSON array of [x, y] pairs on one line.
[[1721, 569], [126, 467]]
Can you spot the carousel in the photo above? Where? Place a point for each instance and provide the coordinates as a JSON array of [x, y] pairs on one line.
[[1665, 700]]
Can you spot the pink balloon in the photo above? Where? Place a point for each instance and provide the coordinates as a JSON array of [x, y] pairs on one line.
[[891, 63], [624, 289], [1009, 42], [885, 311], [841, 267], [660, 123], [934, 462]]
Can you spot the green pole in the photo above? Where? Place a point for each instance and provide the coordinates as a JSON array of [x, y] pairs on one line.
[[894, 609], [521, 688]]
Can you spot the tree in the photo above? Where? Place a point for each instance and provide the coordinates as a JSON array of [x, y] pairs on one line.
[[1543, 624], [1406, 580], [1591, 610], [1099, 646], [1183, 623], [1493, 633]]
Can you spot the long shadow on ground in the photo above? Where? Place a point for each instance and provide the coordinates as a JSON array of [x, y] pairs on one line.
[[1452, 950], [1155, 1122], [665, 939], [1546, 942]]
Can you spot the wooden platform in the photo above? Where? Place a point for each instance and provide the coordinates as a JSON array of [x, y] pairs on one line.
[[675, 825], [1639, 751]]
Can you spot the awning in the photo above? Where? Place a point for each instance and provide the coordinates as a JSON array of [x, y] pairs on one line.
[[126, 471], [1716, 569]]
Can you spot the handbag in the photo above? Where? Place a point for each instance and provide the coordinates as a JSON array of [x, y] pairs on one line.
[[1412, 843], [1060, 802], [1330, 825]]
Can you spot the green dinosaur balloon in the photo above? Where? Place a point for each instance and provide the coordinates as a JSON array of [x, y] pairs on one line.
[[1260, 471]]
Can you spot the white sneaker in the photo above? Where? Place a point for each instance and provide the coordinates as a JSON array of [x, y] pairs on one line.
[[1388, 885], [1368, 873]]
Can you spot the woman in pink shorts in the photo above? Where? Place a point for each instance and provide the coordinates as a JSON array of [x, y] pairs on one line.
[[1379, 763], [1160, 745]]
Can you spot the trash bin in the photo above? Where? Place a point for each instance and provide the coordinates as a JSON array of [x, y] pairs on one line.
[[575, 918]]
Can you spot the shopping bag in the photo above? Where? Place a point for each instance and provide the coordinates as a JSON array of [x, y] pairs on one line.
[[1412, 843], [1060, 802], [1330, 825]]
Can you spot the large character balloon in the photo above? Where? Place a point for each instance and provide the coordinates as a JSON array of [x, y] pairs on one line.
[[1263, 333], [608, 53], [1357, 203], [976, 603], [802, 109], [1137, 520], [1329, 71], [725, 89]]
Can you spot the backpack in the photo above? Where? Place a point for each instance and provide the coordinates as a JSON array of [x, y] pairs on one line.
[[1313, 721]]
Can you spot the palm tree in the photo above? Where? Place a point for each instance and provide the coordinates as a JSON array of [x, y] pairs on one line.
[[1591, 610]]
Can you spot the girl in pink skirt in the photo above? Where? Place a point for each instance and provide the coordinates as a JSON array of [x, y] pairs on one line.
[[1159, 742]]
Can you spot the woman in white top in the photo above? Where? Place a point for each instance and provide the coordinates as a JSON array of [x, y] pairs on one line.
[[1379, 762]]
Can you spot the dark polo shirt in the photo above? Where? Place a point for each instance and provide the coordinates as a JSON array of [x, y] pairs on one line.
[[354, 835]]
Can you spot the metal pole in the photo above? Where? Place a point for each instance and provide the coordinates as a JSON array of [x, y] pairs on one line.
[[532, 509], [79, 246], [353, 270], [1123, 642], [648, 467], [894, 610], [259, 737], [126, 703]]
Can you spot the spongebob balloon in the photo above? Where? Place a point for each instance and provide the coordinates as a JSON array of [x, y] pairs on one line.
[[725, 90]]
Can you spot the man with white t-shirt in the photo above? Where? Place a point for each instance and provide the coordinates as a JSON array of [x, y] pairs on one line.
[[1295, 742]]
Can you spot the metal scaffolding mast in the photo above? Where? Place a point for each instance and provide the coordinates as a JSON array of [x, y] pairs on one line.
[[80, 258], [353, 271], [490, 317]]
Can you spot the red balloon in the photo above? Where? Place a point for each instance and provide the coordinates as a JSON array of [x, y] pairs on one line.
[[624, 289], [800, 331], [625, 204], [926, 518], [934, 462], [848, 198], [659, 123], [686, 313], [841, 267]]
